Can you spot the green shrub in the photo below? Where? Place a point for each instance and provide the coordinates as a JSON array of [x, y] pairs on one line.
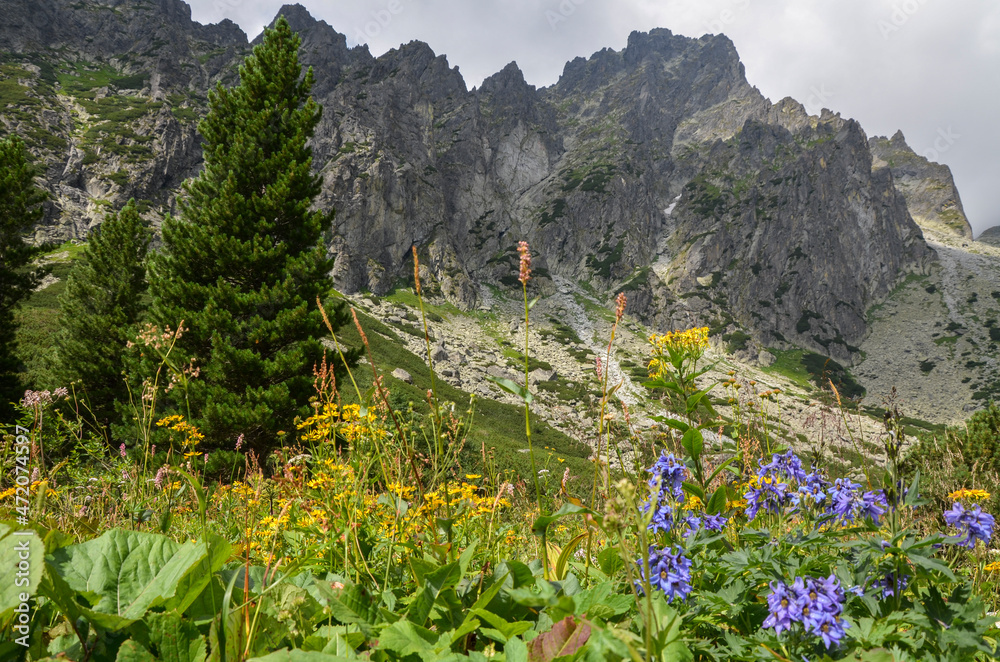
[[967, 457]]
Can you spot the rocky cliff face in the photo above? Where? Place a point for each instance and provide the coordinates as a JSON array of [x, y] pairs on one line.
[[928, 187], [108, 95], [990, 236], [658, 169]]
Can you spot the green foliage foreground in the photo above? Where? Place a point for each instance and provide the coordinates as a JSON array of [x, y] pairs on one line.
[[368, 541]]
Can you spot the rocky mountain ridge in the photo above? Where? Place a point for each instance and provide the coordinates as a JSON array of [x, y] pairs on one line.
[[657, 170]]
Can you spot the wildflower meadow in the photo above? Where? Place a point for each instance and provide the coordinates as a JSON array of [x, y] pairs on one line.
[[362, 536], [234, 473]]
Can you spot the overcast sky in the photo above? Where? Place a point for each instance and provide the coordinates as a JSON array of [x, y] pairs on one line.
[[928, 67]]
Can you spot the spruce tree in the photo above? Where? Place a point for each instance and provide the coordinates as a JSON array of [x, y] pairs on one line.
[[103, 302], [244, 263], [20, 209]]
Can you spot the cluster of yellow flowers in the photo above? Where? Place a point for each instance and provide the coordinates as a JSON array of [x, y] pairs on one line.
[[971, 495], [465, 501], [190, 436], [333, 476], [692, 503], [692, 342], [348, 421], [33, 489]]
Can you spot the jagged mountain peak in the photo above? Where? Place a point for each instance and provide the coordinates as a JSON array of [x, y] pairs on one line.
[[323, 47], [662, 43], [509, 80], [298, 17], [417, 61], [929, 187]]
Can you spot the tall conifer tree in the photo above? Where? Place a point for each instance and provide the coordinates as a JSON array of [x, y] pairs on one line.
[[20, 208], [100, 308], [244, 263]]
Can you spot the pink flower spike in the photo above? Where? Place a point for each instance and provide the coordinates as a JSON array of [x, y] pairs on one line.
[[525, 253]]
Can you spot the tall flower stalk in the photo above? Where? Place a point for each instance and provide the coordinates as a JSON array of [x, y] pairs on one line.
[[603, 428], [524, 274]]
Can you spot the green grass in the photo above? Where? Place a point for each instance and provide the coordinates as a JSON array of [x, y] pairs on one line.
[[407, 297], [810, 370], [788, 364], [81, 79], [73, 251], [496, 426]]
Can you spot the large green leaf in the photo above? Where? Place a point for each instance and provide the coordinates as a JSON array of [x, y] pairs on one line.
[[22, 555], [352, 604], [173, 638], [542, 523], [693, 442], [125, 573], [516, 651], [513, 388], [931, 564], [502, 629], [405, 638], [193, 584], [444, 577], [299, 655], [133, 651]]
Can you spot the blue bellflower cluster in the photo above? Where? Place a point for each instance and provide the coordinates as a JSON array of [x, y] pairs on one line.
[[972, 524], [813, 490], [815, 603], [842, 499], [847, 502], [787, 466], [668, 475], [774, 491], [708, 522], [669, 571]]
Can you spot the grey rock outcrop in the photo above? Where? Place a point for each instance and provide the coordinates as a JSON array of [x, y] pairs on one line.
[[657, 170], [990, 236], [928, 187], [540, 375]]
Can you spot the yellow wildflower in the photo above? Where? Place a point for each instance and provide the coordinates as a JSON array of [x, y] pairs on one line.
[[692, 503], [973, 495]]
